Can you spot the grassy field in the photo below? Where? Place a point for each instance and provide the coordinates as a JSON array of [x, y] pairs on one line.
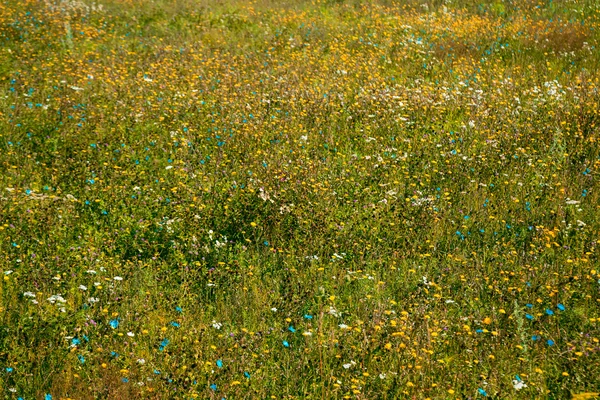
[[299, 199]]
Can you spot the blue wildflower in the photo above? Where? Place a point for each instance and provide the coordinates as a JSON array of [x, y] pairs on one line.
[[560, 307], [219, 363], [114, 323], [550, 342], [163, 344], [529, 317], [482, 392], [549, 311], [213, 387], [291, 329], [286, 344]]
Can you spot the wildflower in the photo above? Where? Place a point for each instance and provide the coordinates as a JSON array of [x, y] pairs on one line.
[[56, 298], [518, 384], [334, 312], [163, 344], [114, 323], [286, 344], [560, 307], [482, 392], [219, 363]]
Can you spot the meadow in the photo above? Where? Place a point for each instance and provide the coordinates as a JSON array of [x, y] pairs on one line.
[[309, 199]]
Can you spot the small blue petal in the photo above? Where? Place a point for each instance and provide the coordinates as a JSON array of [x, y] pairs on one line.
[[550, 342], [549, 311], [529, 316], [286, 344], [306, 316], [291, 329], [219, 363], [482, 392], [213, 387], [561, 307], [247, 375], [114, 323]]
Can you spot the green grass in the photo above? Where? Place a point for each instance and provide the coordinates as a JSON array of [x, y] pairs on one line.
[[315, 199]]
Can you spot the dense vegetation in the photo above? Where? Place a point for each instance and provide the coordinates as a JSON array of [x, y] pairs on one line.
[[302, 199]]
